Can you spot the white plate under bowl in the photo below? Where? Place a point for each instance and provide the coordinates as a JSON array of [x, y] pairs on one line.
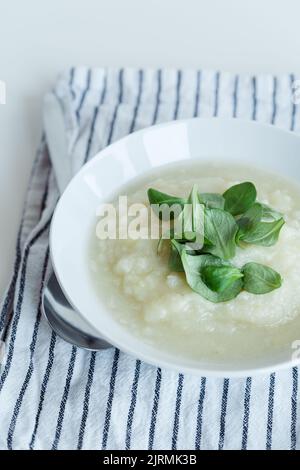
[[225, 140]]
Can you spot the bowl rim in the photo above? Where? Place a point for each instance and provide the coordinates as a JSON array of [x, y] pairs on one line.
[[193, 370]]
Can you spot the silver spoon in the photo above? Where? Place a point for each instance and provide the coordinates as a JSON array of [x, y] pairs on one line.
[[65, 321]]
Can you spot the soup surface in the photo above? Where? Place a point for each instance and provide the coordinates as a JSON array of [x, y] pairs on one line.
[[158, 306]]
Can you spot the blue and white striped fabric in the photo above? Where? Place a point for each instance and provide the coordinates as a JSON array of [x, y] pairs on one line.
[[54, 396]]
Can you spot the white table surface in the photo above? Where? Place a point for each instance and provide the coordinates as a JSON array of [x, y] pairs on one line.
[[38, 39]]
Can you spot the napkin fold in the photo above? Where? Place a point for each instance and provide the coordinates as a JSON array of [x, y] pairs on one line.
[[55, 396]]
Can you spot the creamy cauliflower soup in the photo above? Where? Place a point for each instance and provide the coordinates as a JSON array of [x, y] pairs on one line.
[[157, 304]]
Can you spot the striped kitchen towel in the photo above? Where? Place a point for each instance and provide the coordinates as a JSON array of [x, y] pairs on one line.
[[55, 396]]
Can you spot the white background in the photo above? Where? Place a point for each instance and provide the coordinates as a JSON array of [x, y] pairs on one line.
[[39, 38]]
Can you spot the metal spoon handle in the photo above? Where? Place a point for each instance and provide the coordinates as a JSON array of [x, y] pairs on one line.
[[66, 322]]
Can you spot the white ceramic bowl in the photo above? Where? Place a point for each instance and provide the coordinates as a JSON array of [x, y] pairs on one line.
[[222, 139]]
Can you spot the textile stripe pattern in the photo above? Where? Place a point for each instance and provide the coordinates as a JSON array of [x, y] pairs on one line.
[[55, 396]]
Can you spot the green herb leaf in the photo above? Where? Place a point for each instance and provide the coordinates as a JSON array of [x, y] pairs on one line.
[[164, 240], [260, 279], [249, 220], [212, 200], [253, 229], [269, 214], [160, 245], [188, 216], [220, 229], [263, 233], [239, 198], [197, 218], [157, 199], [206, 269], [189, 224], [251, 217], [194, 266], [220, 278], [175, 263]]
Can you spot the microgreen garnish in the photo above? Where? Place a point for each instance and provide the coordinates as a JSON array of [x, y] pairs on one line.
[[212, 226]]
